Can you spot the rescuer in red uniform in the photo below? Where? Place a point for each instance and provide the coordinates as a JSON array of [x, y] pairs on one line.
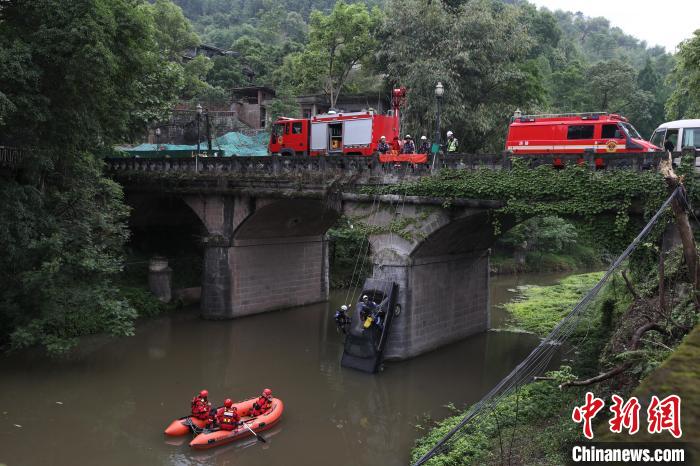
[[201, 405], [263, 403], [228, 418]]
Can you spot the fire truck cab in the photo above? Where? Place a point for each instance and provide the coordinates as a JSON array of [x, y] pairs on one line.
[[574, 133], [290, 136]]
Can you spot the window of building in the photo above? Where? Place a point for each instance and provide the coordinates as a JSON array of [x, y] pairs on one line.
[[580, 132], [307, 113]]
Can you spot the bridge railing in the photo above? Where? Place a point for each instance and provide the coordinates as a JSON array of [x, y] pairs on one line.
[[362, 165]]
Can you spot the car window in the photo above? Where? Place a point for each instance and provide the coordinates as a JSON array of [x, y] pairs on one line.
[[671, 143], [630, 130], [580, 132], [296, 128], [611, 131], [691, 137], [658, 137], [277, 129]]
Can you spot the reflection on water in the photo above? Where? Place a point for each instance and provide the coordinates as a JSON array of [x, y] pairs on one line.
[[110, 404]]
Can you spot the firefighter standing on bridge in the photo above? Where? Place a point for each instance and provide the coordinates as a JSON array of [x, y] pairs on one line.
[[383, 147], [452, 143]]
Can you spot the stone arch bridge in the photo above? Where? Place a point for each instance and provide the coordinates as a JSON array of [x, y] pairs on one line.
[[265, 246]]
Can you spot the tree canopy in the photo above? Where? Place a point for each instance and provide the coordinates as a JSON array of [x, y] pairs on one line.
[[78, 77], [684, 101]]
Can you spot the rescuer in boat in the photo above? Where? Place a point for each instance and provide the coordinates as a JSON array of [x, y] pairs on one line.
[[201, 406], [228, 418], [424, 146], [383, 147], [263, 403], [409, 147], [342, 320]]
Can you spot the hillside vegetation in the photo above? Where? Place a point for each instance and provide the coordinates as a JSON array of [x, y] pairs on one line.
[[492, 56]]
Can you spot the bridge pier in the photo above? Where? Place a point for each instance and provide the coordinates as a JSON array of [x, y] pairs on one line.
[[261, 255], [443, 299], [216, 295], [275, 273]]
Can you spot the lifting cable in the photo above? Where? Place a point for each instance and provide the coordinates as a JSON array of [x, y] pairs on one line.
[[539, 358], [391, 233], [361, 254]]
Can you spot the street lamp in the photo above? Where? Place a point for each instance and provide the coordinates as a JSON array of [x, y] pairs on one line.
[[439, 91], [157, 132], [198, 118]]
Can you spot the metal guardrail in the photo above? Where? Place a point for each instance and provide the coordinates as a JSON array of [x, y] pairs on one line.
[[274, 165]]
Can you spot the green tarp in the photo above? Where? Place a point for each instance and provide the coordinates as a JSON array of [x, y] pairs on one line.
[[228, 145]]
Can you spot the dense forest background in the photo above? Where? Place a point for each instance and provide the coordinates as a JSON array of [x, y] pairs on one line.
[[492, 56], [80, 76]]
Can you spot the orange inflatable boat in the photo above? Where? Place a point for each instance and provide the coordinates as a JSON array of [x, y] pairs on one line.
[[185, 425], [215, 438]]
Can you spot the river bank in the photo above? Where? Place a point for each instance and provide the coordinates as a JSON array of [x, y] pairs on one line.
[[500, 435]]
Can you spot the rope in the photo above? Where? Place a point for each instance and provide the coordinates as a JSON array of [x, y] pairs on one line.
[[539, 358], [362, 253]]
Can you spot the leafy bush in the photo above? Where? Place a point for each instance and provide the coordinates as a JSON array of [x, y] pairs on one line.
[[349, 254]]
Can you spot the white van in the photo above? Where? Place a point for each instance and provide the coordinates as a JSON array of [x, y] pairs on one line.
[[668, 135]]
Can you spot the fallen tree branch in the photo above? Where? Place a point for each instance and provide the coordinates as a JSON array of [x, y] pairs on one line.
[[634, 345], [630, 287]]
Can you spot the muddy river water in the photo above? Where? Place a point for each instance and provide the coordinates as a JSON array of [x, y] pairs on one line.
[[109, 404]]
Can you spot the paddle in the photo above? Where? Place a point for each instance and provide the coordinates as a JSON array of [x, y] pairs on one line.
[[258, 436]]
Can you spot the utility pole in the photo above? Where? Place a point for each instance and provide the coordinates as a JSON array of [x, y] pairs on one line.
[[439, 91], [206, 120]]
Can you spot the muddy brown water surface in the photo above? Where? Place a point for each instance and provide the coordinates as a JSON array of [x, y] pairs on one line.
[[109, 404]]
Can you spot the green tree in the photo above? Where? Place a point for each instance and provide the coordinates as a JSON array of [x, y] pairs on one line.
[[478, 52], [173, 32], [612, 86], [684, 101], [77, 77], [340, 40]]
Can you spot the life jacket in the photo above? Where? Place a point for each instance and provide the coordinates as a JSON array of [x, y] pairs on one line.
[[229, 419], [200, 408], [261, 405]]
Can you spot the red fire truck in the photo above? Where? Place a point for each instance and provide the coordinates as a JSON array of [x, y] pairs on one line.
[[353, 133], [574, 133]]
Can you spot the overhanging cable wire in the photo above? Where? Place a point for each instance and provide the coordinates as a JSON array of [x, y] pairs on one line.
[[540, 356]]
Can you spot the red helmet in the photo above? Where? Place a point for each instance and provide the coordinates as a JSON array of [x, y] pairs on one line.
[[204, 393], [228, 402], [267, 392]]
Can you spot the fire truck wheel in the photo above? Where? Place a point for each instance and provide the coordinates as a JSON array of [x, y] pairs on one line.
[[287, 152]]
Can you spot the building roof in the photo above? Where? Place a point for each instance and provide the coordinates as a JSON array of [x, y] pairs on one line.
[[252, 90]]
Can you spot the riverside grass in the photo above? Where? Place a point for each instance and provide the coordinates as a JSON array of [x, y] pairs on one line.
[[538, 309]]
